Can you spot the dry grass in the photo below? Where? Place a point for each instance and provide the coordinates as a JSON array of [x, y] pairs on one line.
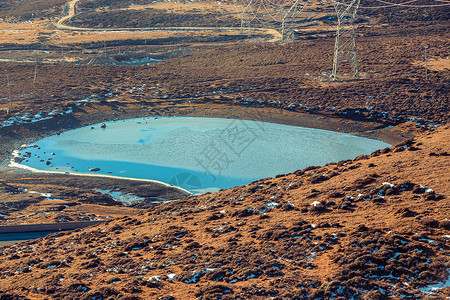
[[30, 9]]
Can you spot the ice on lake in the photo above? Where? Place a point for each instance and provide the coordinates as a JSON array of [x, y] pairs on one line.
[[199, 154]]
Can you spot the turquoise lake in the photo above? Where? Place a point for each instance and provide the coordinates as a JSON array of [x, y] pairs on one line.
[[198, 154]]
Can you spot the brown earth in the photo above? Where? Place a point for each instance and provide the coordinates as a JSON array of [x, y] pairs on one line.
[[371, 228]]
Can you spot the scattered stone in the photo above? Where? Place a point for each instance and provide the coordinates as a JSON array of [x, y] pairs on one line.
[[18, 159]]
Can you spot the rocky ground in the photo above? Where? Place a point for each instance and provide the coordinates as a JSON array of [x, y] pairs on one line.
[[376, 227]]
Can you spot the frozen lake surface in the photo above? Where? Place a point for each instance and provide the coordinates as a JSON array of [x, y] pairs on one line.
[[198, 154]]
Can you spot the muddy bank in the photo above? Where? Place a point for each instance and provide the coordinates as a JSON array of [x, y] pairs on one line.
[[81, 196], [92, 113]]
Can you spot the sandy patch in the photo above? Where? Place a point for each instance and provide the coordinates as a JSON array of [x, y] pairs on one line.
[[435, 64]]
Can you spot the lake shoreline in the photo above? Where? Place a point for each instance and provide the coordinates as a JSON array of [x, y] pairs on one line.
[[106, 176], [93, 113], [13, 137], [140, 149]]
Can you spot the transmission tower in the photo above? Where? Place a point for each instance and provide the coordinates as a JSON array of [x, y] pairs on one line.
[[245, 20], [272, 13], [345, 46], [289, 14], [250, 14]]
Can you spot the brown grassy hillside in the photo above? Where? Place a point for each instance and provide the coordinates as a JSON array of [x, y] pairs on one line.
[[375, 227]]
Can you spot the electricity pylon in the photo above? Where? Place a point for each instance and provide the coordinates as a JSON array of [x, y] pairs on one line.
[[248, 14], [280, 12], [243, 17], [289, 13], [345, 46]]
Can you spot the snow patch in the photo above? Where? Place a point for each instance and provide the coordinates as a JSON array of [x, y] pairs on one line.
[[438, 286], [125, 198], [171, 276]]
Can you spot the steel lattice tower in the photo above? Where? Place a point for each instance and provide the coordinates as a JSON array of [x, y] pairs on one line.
[[279, 12], [345, 46], [245, 20]]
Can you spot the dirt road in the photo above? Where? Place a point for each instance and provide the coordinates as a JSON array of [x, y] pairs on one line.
[[276, 36]]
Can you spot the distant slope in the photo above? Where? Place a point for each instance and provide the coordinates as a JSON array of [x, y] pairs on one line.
[[31, 9], [112, 4], [371, 228], [151, 18], [397, 12]]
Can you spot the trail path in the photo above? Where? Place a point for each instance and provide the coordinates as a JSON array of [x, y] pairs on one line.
[[69, 16], [276, 36]]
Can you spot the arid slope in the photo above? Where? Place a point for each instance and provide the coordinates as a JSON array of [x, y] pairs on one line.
[[374, 227]]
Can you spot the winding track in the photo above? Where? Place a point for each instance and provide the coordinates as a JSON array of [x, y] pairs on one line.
[[71, 13]]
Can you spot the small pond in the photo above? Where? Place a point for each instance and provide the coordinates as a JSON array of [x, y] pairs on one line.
[[198, 154], [23, 236]]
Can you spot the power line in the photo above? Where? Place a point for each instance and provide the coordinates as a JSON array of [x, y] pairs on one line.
[[403, 4]]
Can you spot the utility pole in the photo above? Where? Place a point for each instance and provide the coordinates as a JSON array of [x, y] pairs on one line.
[[36, 71], [10, 95], [426, 63], [345, 46]]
